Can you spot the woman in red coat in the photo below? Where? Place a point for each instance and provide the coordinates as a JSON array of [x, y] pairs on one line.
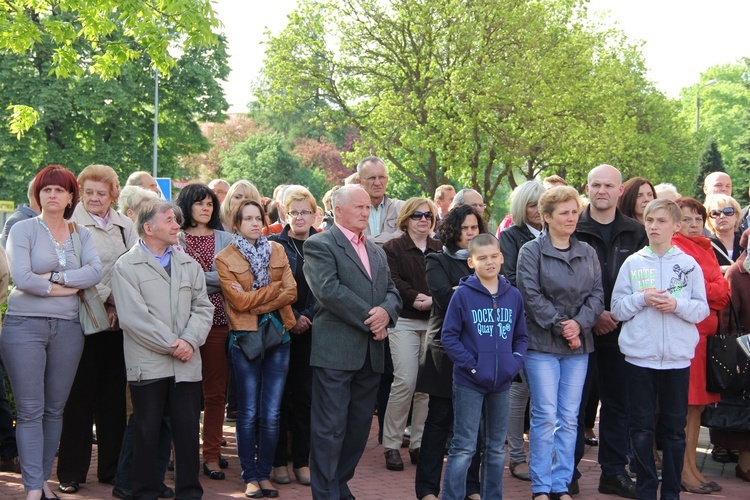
[[691, 241]]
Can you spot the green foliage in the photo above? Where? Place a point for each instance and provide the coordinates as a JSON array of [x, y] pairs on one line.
[[473, 91], [724, 106], [86, 119], [262, 160], [710, 161]]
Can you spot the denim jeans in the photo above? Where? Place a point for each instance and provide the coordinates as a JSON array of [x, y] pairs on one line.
[[437, 427], [469, 406], [645, 385], [260, 387], [41, 356], [555, 384]]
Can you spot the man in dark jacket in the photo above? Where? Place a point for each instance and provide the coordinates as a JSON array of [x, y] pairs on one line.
[[614, 236]]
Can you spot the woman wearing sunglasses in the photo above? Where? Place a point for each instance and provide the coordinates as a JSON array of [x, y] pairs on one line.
[[406, 260], [723, 223]]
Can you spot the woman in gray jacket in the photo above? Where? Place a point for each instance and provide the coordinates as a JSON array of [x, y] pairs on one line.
[[560, 281]]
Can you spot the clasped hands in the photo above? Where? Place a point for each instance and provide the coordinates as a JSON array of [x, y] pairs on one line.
[[378, 322], [183, 350], [660, 300], [571, 332]]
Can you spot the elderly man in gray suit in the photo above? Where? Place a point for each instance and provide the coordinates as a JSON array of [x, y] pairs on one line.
[[357, 302]]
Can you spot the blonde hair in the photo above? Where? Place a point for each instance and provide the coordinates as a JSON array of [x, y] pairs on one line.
[[132, 197], [410, 206], [719, 201], [299, 193], [101, 173], [527, 193], [673, 209], [551, 198], [251, 193]]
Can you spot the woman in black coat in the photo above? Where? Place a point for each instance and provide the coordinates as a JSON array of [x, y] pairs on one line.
[[444, 270]]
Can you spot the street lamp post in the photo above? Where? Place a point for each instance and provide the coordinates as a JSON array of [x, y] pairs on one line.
[[698, 104], [156, 119]]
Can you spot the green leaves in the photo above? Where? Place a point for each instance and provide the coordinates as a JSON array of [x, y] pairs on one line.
[[22, 118]]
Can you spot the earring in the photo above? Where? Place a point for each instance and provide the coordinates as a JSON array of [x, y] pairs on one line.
[[70, 204]]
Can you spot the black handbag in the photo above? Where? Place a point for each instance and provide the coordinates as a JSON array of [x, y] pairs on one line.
[[730, 414], [269, 335], [727, 367]]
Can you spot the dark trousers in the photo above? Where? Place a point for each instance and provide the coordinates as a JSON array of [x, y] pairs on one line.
[[341, 415], [98, 395], [182, 402], [645, 385], [8, 449], [614, 442], [124, 478], [295, 407], [437, 428]]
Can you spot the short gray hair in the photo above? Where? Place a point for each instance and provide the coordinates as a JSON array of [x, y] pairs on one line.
[[150, 209], [341, 195], [136, 178], [521, 197], [460, 198], [370, 159]]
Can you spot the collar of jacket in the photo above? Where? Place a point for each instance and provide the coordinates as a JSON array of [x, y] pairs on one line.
[[622, 224], [576, 248]]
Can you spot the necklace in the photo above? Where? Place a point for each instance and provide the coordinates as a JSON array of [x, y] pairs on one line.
[[297, 249]]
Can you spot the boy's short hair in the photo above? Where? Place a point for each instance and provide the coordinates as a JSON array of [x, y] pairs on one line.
[[673, 209], [482, 240]]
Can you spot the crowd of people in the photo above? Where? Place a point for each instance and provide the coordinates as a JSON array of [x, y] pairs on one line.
[[299, 321]]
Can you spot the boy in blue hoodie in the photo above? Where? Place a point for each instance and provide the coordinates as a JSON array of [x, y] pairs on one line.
[[484, 334], [659, 296]]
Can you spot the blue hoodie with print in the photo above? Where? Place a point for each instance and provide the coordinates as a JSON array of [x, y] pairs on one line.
[[485, 335]]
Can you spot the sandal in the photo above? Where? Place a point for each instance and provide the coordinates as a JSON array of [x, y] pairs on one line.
[[716, 487], [69, 487], [698, 490], [537, 495], [563, 495]]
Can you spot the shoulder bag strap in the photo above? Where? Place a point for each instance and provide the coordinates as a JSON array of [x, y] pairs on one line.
[[73, 228], [722, 252]]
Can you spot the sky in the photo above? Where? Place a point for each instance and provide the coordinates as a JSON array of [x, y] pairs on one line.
[[681, 38]]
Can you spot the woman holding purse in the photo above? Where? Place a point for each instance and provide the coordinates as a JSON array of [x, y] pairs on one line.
[[42, 340], [256, 279]]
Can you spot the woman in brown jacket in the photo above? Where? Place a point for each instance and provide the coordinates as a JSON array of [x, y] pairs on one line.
[[256, 279]]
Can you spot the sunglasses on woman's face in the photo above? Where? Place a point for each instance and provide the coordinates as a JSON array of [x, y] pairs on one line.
[[419, 215], [727, 212]]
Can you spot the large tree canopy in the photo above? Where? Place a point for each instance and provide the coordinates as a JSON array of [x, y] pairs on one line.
[[101, 36], [472, 91]]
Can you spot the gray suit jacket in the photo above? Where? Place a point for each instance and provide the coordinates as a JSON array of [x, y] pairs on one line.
[[345, 294]]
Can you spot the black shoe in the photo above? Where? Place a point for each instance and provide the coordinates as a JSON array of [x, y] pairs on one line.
[[216, 475], [165, 491], [620, 485], [573, 488], [120, 492], [393, 460], [414, 456], [223, 462], [69, 487]]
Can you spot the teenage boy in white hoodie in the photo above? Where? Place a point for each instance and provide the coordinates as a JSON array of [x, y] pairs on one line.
[[659, 296]]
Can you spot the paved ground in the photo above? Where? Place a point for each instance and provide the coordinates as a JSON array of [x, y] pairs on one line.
[[373, 481]]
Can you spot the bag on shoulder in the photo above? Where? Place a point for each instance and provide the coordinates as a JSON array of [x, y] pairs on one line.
[[91, 311], [727, 367], [269, 335]]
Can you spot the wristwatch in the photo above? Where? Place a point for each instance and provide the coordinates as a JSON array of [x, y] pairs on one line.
[[55, 278]]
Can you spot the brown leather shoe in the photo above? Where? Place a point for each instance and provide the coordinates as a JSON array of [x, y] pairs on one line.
[[393, 460]]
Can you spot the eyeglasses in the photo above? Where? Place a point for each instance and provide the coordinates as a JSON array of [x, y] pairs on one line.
[[727, 212], [419, 215], [304, 213], [478, 205]]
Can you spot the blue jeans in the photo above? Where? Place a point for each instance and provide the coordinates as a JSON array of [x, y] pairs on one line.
[[555, 384], [645, 385], [260, 387], [469, 406], [41, 356]]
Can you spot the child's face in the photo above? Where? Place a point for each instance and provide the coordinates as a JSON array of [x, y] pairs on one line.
[[486, 261], [660, 227]]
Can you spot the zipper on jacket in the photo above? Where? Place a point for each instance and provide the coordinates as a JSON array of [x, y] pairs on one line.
[[663, 319], [494, 307]]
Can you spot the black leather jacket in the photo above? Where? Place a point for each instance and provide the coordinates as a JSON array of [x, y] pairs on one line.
[[628, 236], [511, 241]]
